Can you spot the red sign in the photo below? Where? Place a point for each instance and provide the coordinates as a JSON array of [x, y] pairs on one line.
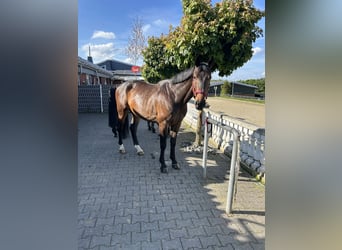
[[135, 69]]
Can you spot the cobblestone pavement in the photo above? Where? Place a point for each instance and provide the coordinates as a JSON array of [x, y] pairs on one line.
[[126, 203]]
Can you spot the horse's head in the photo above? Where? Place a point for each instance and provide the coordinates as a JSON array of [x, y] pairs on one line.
[[200, 84]]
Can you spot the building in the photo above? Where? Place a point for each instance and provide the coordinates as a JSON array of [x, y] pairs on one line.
[[121, 71], [243, 89], [237, 89], [89, 73], [106, 72]]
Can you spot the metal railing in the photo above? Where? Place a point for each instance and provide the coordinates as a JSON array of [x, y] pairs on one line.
[[235, 158]]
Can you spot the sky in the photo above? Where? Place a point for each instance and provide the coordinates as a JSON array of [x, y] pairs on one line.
[[105, 26]]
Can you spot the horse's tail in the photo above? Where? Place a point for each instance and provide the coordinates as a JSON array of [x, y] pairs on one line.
[[125, 130]]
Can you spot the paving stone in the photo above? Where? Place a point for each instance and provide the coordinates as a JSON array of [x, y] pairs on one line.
[[123, 219], [112, 229], [201, 222], [139, 237], [140, 218], [156, 245], [212, 230], [100, 240], [160, 235], [84, 243], [179, 208], [148, 210], [216, 221], [146, 226], [156, 217], [210, 241], [136, 246], [132, 211], [167, 224], [173, 215], [204, 213], [130, 228], [196, 231], [115, 212], [178, 233], [257, 246], [90, 231], [191, 243], [104, 221], [184, 223], [189, 215], [172, 244], [121, 239], [227, 247]]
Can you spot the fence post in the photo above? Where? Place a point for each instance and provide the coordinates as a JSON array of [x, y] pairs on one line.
[[233, 173], [235, 159], [205, 146], [101, 98]]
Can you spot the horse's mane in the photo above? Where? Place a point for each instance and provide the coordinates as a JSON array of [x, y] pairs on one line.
[[182, 76]]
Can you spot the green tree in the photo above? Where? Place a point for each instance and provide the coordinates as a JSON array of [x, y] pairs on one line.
[[157, 65], [226, 88], [221, 35]]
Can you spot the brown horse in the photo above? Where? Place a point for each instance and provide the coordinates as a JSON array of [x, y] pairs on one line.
[[164, 103]]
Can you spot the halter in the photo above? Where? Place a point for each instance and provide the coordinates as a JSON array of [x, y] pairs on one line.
[[200, 91], [195, 92]]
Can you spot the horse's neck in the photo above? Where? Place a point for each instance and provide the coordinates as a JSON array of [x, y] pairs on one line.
[[183, 92]]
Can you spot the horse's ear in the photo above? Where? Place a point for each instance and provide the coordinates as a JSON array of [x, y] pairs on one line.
[[211, 64]]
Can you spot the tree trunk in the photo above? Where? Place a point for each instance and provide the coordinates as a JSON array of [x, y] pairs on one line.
[[198, 139]]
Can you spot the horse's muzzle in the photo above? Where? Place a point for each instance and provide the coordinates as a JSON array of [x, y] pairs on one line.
[[199, 105]]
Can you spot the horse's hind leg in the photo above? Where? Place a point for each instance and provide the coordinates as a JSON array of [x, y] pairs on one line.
[[163, 136], [121, 128], [173, 139], [133, 128], [122, 123]]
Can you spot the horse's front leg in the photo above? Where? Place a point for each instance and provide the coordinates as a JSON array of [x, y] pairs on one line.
[[173, 139]]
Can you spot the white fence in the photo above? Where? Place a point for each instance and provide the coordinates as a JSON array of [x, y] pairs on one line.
[[252, 138]]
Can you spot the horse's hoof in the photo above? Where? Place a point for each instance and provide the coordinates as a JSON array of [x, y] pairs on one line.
[[122, 149], [139, 150], [163, 170], [175, 166]]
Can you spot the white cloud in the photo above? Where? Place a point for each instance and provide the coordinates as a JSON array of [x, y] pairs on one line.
[[99, 52], [257, 50], [160, 23], [128, 60], [146, 27], [103, 34]]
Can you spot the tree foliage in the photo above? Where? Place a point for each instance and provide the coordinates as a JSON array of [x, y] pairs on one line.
[[156, 64], [226, 88], [222, 35], [260, 83]]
